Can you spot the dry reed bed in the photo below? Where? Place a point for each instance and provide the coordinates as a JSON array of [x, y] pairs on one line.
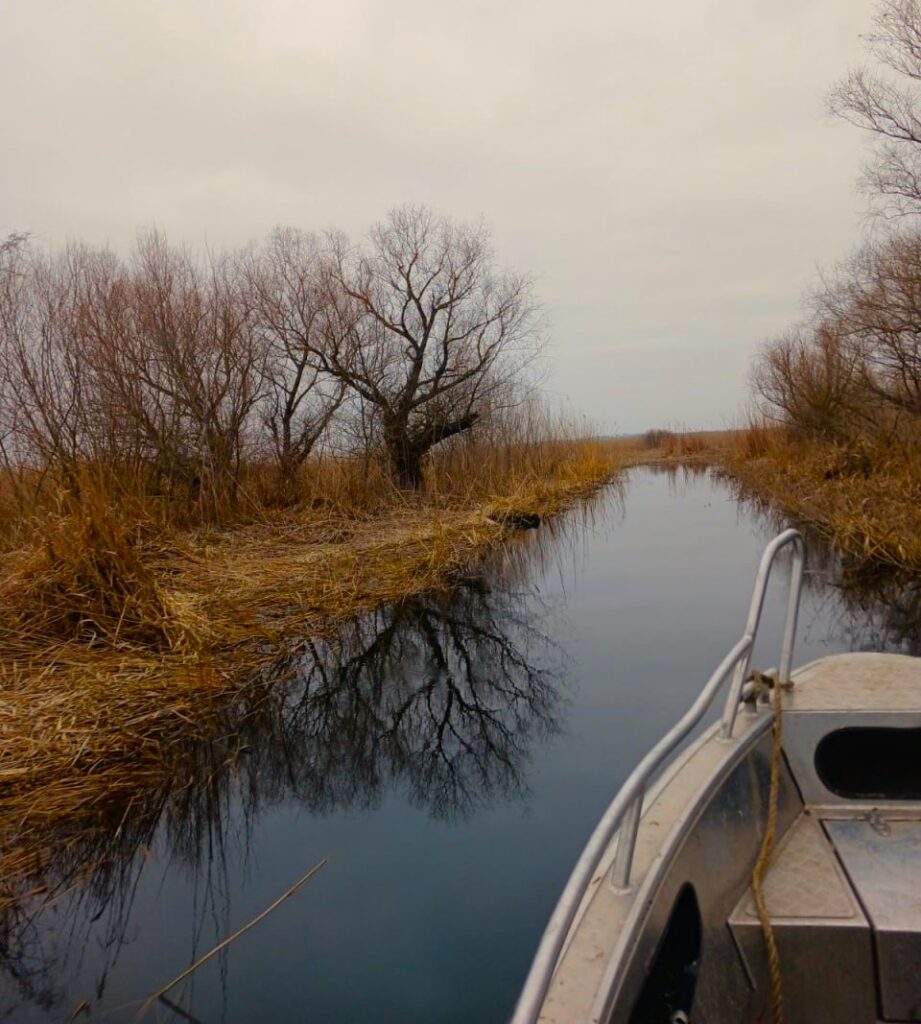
[[118, 643], [868, 505]]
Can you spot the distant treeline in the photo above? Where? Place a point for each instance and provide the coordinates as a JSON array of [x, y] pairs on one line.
[[177, 371]]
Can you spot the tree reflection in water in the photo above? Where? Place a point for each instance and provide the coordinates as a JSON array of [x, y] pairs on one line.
[[441, 696], [443, 693]]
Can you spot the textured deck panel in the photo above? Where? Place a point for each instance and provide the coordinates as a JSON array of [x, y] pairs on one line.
[[804, 880], [858, 682], [823, 937], [883, 859]]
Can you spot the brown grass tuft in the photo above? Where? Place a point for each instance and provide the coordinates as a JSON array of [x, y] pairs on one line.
[[87, 579]]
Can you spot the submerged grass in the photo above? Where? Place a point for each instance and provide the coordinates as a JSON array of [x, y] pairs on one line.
[[119, 637]]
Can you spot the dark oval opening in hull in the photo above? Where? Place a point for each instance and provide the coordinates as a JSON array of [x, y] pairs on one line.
[[672, 978], [871, 763]]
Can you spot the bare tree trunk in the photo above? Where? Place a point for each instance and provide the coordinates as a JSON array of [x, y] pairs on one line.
[[407, 447]]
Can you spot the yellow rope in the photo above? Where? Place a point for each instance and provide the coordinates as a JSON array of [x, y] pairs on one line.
[[764, 858]]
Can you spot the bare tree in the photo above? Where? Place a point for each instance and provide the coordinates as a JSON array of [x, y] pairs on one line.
[[853, 372], [287, 293], [10, 245], [177, 362], [423, 327], [878, 306], [808, 377], [44, 404], [887, 105]]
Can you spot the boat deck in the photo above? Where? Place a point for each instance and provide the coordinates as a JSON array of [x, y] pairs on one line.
[[844, 889], [657, 923]]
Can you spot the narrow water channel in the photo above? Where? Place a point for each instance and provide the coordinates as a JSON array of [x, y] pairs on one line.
[[449, 757]]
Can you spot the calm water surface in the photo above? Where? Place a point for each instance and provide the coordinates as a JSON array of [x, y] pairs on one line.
[[449, 757]]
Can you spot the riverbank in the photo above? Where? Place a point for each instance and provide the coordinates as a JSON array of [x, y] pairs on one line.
[[866, 503], [114, 654]]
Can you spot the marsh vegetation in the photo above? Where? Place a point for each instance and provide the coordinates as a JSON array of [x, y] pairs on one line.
[[836, 436], [208, 457]]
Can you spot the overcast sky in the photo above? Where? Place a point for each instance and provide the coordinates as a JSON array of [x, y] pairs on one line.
[[666, 171]]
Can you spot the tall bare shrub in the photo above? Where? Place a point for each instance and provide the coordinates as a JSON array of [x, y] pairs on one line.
[[44, 388], [179, 362], [809, 379], [287, 289]]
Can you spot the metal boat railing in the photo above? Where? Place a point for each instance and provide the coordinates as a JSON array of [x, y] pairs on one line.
[[625, 811]]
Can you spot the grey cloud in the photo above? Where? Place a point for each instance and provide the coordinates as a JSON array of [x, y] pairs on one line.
[[666, 171]]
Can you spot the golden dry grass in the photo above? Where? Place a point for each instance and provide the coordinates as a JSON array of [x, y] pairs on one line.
[[118, 637], [867, 503]]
